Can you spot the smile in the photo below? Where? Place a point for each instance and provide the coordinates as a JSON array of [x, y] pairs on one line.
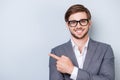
[[79, 31]]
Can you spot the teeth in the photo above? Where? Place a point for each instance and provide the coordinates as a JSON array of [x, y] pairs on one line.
[[79, 31]]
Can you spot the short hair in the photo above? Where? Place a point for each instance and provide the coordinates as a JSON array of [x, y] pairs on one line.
[[75, 9]]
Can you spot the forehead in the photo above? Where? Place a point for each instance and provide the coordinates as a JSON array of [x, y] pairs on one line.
[[78, 16]]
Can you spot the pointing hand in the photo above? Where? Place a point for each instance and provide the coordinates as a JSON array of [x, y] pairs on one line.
[[63, 64]]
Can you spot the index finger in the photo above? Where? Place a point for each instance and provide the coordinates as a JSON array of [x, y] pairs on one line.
[[54, 56]]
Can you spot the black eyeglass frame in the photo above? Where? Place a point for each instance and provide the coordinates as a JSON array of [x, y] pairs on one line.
[[79, 22]]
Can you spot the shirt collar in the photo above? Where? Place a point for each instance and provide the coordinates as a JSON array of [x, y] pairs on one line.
[[74, 45]]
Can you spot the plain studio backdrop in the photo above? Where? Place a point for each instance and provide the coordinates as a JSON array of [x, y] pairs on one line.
[[30, 28]]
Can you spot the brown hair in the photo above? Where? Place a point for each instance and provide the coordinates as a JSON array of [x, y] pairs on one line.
[[77, 8]]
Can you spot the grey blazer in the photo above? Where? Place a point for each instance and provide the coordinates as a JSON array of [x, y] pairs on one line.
[[98, 65]]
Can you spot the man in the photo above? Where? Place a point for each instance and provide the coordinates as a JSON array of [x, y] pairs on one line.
[[81, 58]]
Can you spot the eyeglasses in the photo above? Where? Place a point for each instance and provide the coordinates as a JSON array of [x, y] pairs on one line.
[[82, 22]]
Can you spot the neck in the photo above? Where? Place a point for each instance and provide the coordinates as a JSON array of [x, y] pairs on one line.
[[80, 42]]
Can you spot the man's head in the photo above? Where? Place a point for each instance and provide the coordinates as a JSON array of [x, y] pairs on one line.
[[75, 9], [78, 20]]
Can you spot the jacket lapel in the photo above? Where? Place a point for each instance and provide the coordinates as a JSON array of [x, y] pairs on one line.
[[90, 53], [70, 53]]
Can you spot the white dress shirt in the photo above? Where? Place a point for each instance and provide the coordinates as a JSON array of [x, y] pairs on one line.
[[80, 58]]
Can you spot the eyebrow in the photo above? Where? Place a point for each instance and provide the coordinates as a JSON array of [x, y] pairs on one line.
[[79, 20]]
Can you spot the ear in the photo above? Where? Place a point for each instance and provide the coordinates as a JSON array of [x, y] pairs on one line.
[[67, 25], [90, 23]]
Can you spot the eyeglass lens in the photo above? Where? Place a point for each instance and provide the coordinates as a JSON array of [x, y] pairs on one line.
[[82, 22]]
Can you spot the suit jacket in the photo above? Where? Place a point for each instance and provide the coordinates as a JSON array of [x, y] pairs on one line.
[[98, 65]]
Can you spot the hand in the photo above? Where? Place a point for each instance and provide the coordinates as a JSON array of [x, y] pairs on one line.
[[64, 64]]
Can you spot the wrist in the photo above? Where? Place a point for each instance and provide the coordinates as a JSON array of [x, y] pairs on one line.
[[70, 70], [74, 73]]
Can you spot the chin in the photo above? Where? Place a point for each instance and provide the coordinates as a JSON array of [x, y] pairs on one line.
[[78, 37]]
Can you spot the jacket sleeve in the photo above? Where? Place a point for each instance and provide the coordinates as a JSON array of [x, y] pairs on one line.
[[53, 73], [106, 72]]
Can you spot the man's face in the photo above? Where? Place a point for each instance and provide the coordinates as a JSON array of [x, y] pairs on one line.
[[79, 25]]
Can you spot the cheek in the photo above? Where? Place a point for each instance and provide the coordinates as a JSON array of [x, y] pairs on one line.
[[86, 27], [71, 29]]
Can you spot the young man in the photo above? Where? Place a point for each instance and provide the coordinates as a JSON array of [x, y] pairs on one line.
[[81, 58]]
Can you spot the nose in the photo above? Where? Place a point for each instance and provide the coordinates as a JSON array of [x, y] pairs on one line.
[[78, 25]]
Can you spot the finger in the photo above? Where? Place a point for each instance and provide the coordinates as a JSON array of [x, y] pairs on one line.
[[54, 56], [65, 57]]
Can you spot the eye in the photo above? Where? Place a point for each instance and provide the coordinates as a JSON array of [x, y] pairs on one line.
[[84, 20], [72, 22]]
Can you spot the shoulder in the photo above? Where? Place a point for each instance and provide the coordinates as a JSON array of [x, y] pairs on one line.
[[102, 48], [102, 44], [62, 46], [60, 49]]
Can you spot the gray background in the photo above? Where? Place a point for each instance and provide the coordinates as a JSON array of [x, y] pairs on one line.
[[30, 28]]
